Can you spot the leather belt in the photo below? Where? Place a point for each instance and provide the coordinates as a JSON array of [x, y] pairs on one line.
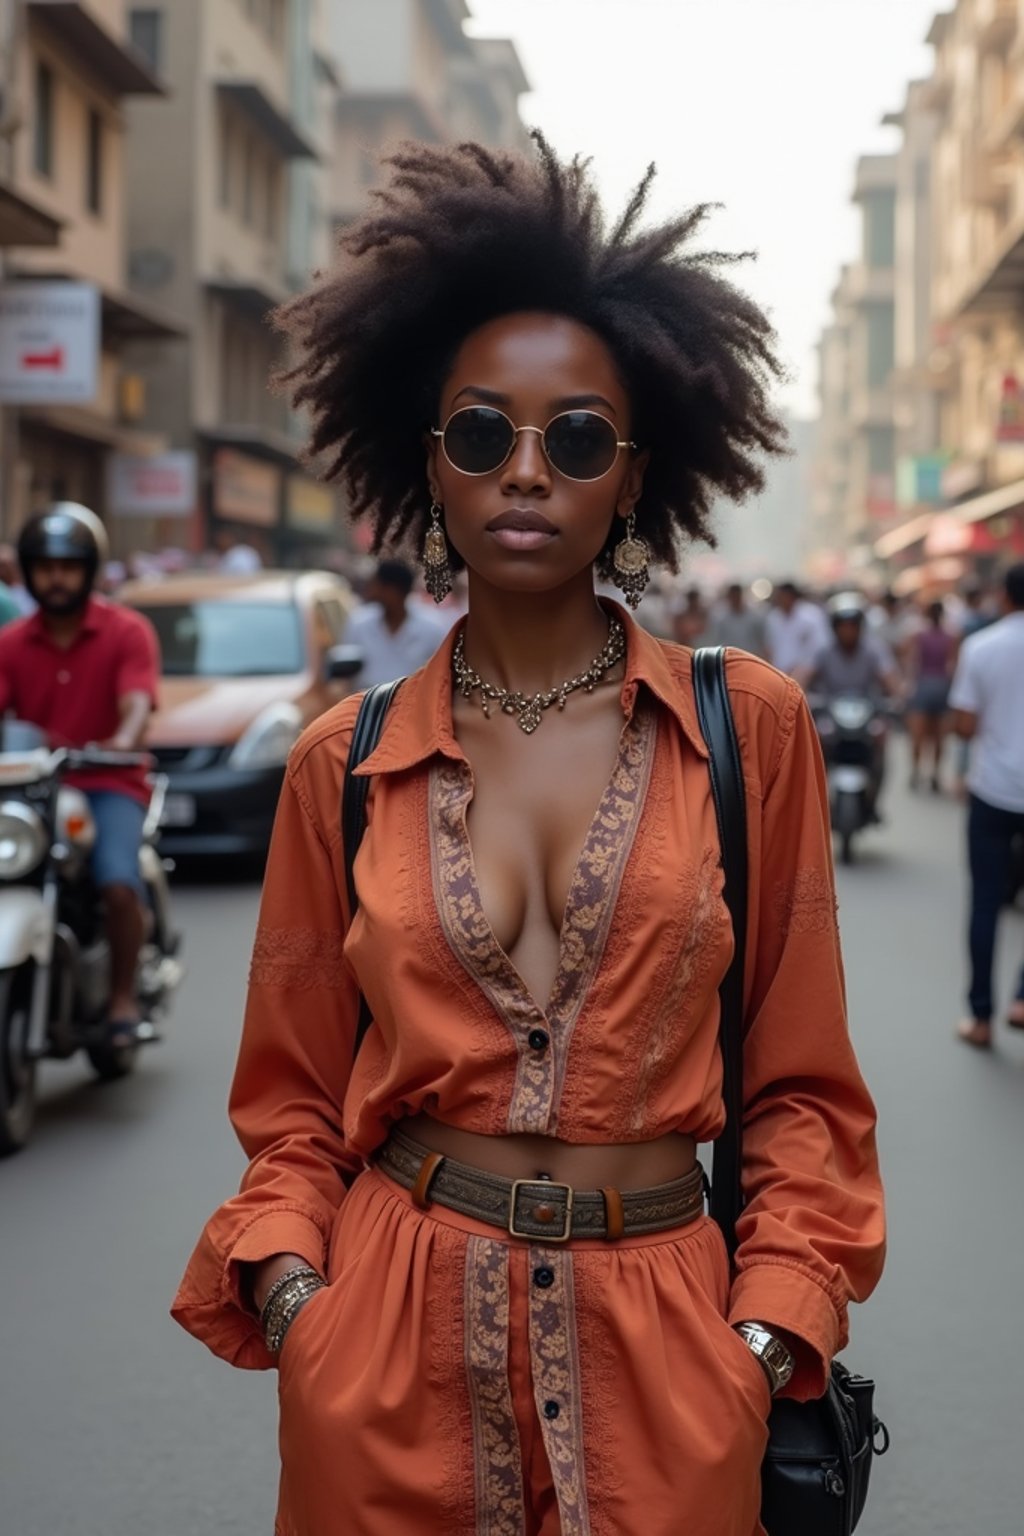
[[540, 1209]]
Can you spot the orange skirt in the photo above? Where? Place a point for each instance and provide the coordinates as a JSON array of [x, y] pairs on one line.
[[455, 1381]]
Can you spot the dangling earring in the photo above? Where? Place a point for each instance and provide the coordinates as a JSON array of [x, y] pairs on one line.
[[437, 573], [631, 564]]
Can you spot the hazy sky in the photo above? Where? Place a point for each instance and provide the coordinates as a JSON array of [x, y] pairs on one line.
[[762, 105]]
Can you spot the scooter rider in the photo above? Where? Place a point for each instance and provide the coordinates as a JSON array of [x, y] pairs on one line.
[[854, 664], [85, 671]]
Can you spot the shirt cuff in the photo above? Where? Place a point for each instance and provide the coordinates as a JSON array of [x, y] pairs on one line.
[[789, 1300], [210, 1304]]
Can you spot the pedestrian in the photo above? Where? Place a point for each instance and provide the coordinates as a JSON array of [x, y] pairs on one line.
[[733, 622], [517, 388], [690, 620], [987, 698], [234, 557], [395, 636], [11, 582], [796, 631], [931, 656]]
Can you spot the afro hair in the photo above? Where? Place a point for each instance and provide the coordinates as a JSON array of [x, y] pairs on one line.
[[460, 235]]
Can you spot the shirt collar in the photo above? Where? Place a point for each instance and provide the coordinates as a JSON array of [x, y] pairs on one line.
[[91, 622], [419, 723]]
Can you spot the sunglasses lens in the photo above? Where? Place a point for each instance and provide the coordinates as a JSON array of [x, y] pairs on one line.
[[581, 445], [477, 440]]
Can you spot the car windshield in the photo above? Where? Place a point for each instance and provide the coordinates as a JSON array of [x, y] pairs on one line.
[[217, 639]]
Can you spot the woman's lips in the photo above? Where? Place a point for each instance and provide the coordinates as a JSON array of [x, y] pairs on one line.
[[521, 528]]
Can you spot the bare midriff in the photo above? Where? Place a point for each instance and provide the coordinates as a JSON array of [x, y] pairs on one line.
[[632, 1165]]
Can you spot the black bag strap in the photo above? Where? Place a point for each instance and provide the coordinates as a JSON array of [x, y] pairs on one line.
[[714, 714], [365, 736]]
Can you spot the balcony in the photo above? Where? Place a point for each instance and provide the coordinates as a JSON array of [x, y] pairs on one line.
[[988, 177], [996, 22], [1007, 124], [254, 101], [870, 285], [112, 59]]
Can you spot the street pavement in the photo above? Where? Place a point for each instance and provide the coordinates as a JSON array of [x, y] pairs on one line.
[[113, 1423]]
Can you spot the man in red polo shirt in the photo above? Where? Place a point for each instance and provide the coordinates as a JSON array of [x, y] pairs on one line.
[[85, 671]]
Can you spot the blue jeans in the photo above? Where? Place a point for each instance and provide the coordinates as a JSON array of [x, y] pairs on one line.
[[990, 835], [119, 823]]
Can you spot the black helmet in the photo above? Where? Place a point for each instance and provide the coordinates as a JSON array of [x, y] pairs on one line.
[[65, 531]]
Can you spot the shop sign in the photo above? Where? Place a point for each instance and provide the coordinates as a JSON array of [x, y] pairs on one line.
[[49, 343], [919, 480], [244, 489], [1011, 412], [162, 485], [308, 503]]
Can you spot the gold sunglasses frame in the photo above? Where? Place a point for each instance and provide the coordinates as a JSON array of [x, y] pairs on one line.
[[477, 474]]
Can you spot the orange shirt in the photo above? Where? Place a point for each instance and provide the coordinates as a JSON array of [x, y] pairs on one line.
[[632, 1020]]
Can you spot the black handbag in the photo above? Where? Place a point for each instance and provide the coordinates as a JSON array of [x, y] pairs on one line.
[[814, 1478]]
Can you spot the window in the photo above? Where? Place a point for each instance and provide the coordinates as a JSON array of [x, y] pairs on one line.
[[270, 203], [881, 344], [227, 144], [42, 135], [248, 180], [94, 164], [880, 228], [145, 30]]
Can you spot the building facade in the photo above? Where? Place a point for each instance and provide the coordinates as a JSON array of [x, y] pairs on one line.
[[955, 396], [69, 72], [411, 71], [226, 218]]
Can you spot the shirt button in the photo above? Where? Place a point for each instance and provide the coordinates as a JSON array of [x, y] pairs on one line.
[[63, 677], [543, 1276], [551, 1409], [538, 1039]]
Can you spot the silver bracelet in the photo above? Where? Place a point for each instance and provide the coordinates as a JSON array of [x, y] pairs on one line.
[[279, 1285], [284, 1302]]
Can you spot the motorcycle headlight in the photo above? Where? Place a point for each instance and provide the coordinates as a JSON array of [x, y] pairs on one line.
[[23, 839], [268, 740]]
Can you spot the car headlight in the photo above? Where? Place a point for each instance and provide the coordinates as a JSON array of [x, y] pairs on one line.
[[269, 739], [23, 839]]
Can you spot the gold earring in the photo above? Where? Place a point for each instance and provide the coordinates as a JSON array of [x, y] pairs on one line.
[[437, 573], [631, 564]]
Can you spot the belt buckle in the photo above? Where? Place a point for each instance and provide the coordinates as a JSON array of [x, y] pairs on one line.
[[541, 1188]]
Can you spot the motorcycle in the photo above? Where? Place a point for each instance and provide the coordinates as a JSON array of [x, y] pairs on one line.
[[853, 733], [54, 955]]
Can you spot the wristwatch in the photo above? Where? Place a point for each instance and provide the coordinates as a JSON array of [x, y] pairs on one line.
[[776, 1358]]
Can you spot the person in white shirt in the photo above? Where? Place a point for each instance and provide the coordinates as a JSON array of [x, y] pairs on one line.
[[796, 631], [987, 698], [396, 637]]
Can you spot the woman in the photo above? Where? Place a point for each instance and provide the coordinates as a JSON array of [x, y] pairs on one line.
[[521, 391], [932, 662]]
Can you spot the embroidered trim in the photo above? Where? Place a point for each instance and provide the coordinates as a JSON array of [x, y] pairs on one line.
[[589, 911], [472, 940], [554, 1359], [698, 941], [808, 905], [498, 1471], [298, 959], [594, 889]]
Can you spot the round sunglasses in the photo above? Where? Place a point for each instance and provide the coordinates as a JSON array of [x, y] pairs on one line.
[[581, 445]]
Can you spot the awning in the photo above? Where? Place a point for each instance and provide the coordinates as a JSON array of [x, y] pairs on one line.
[[251, 299], [903, 537], [128, 319], [262, 442], [991, 503], [115, 62], [24, 223], [252, 99], [75, 421]]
